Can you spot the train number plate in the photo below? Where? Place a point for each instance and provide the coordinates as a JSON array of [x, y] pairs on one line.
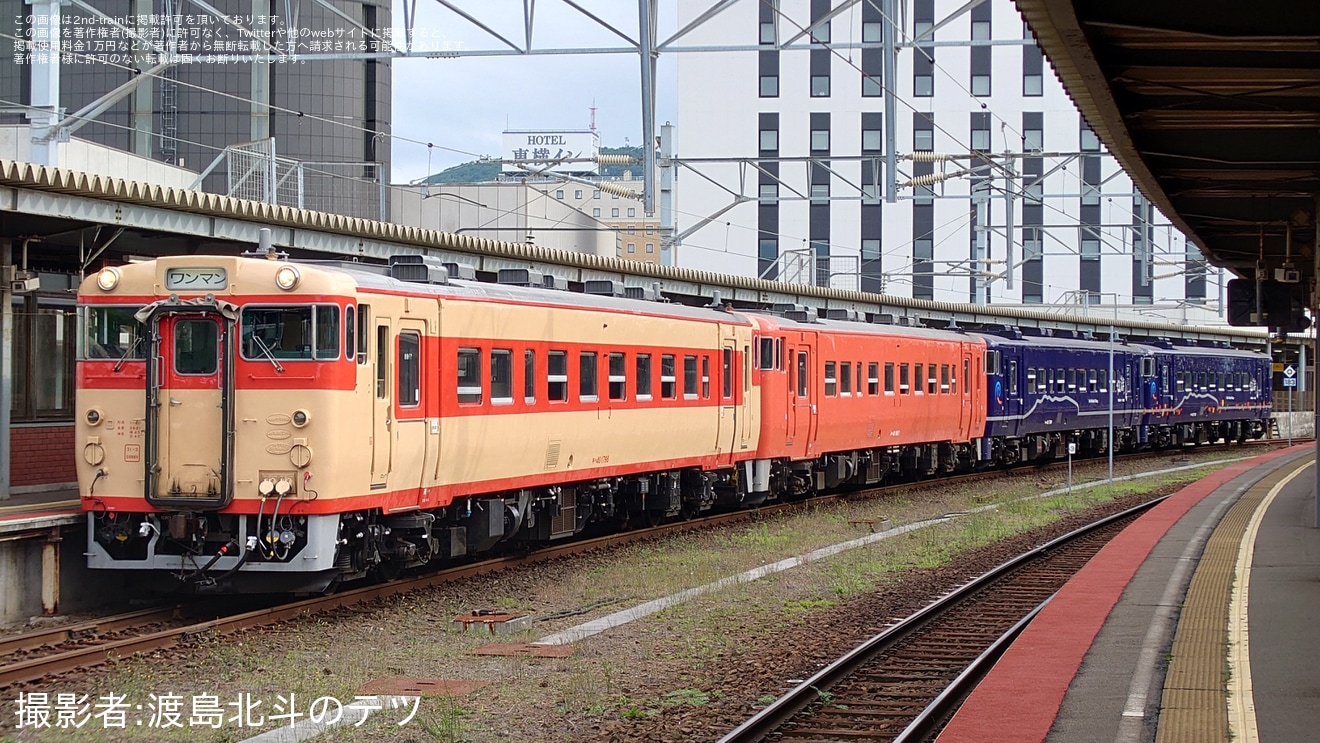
[[195, 279]]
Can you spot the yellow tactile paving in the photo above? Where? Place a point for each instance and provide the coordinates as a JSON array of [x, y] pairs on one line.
[[1194, 708]]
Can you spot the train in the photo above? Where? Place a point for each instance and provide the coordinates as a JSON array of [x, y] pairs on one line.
[[257, 424]]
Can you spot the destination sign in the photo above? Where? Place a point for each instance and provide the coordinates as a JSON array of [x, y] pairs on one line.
[[198, 279]]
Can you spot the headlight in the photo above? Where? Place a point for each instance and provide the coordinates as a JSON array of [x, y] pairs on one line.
[[286, 277], [93, 417], [107, 279], [301, 418]]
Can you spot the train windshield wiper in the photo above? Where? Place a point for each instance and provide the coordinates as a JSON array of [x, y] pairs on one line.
[[265, 351], [120, 364]]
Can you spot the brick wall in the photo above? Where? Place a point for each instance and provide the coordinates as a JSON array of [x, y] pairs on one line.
[[40, 455]]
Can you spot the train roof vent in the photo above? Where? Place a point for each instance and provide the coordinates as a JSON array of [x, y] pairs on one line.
[[462, 271], [782, 308], [419, 269], [803, 315], [880, 318], [603, 287], [1161, 343], [557, 283], [842, 313], [520, 277], [1007, 331], [1027, 330], [651, 294], [906, 321]]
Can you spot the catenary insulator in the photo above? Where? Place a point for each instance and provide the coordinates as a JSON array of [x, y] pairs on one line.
[[615, 160], [930, 157], [623, 191]]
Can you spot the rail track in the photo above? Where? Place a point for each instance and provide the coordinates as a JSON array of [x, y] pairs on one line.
[[32, 657], [903, 684]]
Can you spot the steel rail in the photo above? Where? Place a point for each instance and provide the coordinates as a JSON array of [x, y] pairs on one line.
[[34, 669], [775, 715]]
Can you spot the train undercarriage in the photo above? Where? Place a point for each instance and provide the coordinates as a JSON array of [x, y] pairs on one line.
[[285, 552]]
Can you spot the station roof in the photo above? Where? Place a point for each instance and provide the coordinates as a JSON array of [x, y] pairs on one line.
[[1212, 107]]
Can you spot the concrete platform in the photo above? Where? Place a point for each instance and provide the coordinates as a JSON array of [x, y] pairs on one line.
[[1137, 647], [42, 568]]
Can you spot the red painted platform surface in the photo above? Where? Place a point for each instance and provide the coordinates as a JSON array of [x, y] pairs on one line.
[[1020, 698]]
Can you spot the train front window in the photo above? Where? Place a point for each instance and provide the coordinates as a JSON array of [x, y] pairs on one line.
[[196, 346], [290, 333], [112, 333]]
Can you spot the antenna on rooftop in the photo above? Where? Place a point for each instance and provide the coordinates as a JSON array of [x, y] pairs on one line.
[[593, 114]]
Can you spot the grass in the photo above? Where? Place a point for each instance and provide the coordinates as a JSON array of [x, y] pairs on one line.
[[336, 657]]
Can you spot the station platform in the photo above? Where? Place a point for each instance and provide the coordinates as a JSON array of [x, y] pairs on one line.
[[1194, 624], [39, 510]]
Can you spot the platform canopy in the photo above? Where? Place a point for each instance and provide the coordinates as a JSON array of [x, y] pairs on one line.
[[1212, 106]]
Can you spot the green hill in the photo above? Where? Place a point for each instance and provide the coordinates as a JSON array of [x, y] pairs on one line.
[[478, 172]]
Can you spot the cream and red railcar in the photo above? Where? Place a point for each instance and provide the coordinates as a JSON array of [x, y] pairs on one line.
[[853, 403], [255, 424]]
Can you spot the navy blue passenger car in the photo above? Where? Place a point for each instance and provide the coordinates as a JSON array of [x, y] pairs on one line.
[[1049, 390]]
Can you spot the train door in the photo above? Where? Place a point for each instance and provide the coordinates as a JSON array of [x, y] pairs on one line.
[[190, 390], [382, 425], [965, 392], [747, 420], [409, 445], [801, 410], [1012, 392], [724, 441]]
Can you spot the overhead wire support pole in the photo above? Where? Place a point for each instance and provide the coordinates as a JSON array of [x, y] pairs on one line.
[[646, 10], [891, 113], [1315, 380]]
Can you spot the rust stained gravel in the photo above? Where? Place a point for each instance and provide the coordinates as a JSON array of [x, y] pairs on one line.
[[690, 672]]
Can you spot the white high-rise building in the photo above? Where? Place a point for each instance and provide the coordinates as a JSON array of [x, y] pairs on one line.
[[1027, 207]]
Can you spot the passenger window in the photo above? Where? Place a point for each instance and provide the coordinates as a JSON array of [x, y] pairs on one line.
[[1060, 382], [1012, 379], [1092, 386], [931, 380], [802, 374], [872, 378], [944, 378], [618, 376], [529, 376], [350, 345], [904, 379], [1104, 380], [726, 388], [857, 378], [587, 371], [364, 312], [766, 347], [779, 353], [920, 370], [410, 369], [705, 377], [1031, 381], [668, 384], [501, 376], [747, 370], [382, 361], [690, 377], [643, 376], [469, 376], [557, 377], [1072, 380], [831, 384], [889, 377]]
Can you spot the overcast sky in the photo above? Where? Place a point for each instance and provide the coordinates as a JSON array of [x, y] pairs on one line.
[[463, 105]]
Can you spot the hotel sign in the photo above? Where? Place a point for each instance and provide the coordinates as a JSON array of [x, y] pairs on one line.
[[557, 151]]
